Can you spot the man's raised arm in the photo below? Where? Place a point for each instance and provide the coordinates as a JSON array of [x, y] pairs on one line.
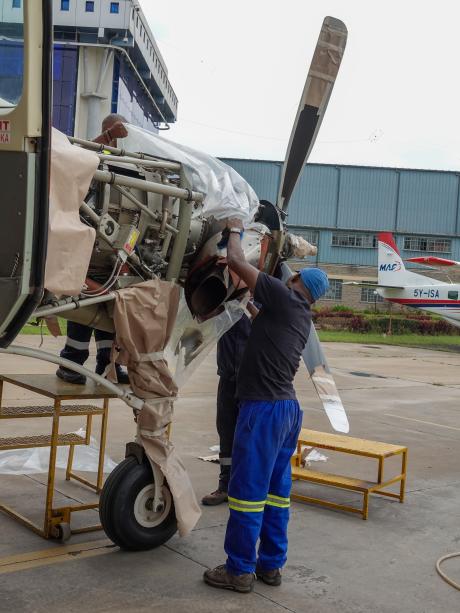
[[236, 259]]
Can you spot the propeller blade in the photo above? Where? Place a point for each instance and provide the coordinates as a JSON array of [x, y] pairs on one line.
[[315, 97], [324, 383], [318, 368]]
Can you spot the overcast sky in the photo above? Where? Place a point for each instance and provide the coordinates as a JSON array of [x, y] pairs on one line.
[[238, 69]]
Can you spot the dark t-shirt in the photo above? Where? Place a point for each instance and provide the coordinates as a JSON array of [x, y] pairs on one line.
[[277, 339], [230, 348]]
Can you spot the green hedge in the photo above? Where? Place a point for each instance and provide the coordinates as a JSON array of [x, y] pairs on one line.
[[380, 324]]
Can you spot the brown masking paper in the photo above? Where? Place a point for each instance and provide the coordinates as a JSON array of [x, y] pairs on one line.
[[144, 316], [70, 242]]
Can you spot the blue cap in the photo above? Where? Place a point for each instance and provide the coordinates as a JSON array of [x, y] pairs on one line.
[[316, 281]]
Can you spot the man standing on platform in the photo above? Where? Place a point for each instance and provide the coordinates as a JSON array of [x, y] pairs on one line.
[[76, 348]]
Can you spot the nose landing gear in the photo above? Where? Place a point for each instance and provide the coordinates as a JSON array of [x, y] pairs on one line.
[[130, 515]]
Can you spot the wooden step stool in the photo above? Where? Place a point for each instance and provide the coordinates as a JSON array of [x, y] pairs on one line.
[[57, 520], [354, 446]]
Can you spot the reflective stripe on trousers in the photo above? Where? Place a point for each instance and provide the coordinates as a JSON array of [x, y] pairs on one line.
[[265, 439], [78, 339]]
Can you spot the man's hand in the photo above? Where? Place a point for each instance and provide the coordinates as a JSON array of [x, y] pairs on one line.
[[253, 310], [118, 130], [235, 256]]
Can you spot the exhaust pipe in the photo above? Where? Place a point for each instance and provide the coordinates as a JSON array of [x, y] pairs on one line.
[[210, 283]]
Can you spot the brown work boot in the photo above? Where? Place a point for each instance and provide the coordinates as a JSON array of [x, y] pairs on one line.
[[221, 578], [270, 577], [215, 498]]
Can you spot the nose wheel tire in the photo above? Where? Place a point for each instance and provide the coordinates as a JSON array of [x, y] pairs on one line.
[[126, 508]]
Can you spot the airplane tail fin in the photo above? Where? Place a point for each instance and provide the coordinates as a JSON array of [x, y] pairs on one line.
[[391, 269]]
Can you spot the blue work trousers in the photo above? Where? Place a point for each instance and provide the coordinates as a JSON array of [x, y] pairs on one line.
[[76, 347], [260, 485]]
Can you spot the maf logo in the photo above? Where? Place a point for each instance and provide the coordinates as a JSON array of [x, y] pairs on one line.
[[390, 267]]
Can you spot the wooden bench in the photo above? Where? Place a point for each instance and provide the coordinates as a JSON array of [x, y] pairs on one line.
[[354, 446]]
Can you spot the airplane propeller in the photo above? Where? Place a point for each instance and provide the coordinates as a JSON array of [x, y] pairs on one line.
[[318, 87], [313, 103]]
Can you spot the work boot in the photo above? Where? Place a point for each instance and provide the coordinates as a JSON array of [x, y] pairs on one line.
[[270, 577], [70, 376], [215, 498], [221, 578]]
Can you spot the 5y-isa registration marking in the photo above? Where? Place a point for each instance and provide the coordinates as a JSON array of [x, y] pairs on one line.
[[5, 132]]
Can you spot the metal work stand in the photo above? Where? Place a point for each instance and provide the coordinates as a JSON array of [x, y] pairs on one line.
[[57, 520]]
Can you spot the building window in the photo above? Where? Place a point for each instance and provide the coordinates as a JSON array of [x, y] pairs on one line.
[[16, 4], [335, 290], [344, 239], [89, 7], [115, 8], [424, 243], [369, 294], [65, 5]]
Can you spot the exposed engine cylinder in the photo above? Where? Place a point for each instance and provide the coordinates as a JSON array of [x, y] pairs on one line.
[[210, 283]]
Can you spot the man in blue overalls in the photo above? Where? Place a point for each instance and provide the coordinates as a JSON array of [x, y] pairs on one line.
[[268, 424]]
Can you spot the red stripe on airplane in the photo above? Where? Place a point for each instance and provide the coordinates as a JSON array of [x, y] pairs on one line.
[[423, 301], [432, 260], [388, 239]]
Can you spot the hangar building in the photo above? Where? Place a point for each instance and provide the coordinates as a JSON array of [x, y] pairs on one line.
[[106, 60], [341, 208]]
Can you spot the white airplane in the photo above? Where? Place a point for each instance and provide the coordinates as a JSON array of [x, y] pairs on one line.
[[399, 285]]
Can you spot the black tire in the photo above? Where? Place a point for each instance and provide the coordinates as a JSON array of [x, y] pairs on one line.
[[117, 508]]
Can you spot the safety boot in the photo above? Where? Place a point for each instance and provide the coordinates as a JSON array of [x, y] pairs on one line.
[[70, 376], [270, 577], [221, 578], [215, 498]]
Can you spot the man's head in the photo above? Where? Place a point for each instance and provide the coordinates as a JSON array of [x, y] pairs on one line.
[[113, 127], [311, 282], [109, 121]]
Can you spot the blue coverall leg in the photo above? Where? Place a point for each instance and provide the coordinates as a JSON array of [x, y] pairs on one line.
[[265, 439], [76, 348]]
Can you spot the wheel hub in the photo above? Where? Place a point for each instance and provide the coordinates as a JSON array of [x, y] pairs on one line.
[[144, 511]]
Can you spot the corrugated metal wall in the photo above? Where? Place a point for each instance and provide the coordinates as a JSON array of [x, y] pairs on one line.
[[428, 202], [355, 198], [263, 176], [367, 198], [315, 197]]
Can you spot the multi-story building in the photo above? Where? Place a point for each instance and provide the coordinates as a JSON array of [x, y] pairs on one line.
[[341, 208], [106, 60]]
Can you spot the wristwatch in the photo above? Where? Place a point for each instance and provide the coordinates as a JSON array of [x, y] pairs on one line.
[[236, 230]]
